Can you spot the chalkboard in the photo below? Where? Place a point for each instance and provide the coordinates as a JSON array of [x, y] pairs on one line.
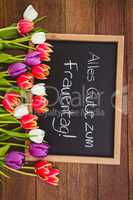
[[84, 92]]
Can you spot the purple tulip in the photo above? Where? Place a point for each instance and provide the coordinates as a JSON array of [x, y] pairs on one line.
[[38, 150], [33, 58], [16, 69], [15, 159]]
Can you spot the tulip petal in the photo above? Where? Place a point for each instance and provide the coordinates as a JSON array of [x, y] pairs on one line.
[[54, 172], [30, 13], [38, 38], [53, 180]]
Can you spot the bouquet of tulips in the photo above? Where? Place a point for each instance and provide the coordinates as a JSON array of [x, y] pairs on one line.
[[20, 96]]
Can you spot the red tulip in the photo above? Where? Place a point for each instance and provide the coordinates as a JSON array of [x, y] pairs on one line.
[[40, 71], [11, 100], [29, 121], [39, 104], [25, 81], [24, 26], [46, 171], [44, 49]]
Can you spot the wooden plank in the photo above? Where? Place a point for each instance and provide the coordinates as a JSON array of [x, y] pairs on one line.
[[113, 180], [76, 181], [129, 56], [55, 11], [18, 186], [82, 178]]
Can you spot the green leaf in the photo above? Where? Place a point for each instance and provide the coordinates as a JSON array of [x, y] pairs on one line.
[[40, 30], [12, 89], [8, 32], [7, 117], [2, 110], [4, 82], [3, 150], [4, 57]]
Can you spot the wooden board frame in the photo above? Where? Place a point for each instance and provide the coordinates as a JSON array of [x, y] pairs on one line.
[[118, 98]]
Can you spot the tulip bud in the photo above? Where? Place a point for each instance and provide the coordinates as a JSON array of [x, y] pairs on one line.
[[40, 71], [38, 150], [16, 69], [29, 121], [33, 58], [25, 26], [20, 111], [30, 13], [39, 89], [25, 81], [47, 172], [38, 38], [11, 100], [40, 104], [45, 50], [37, 135], [15, 159]]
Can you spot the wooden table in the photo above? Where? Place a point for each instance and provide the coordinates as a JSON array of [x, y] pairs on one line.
[[82, 181]]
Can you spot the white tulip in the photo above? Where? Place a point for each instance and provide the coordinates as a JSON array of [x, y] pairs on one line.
[[20, 111], [30, 13], [39, 89], [37, 135], [38, 38]]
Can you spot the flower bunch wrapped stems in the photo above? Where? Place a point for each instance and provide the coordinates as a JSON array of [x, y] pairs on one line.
[[16, 83]]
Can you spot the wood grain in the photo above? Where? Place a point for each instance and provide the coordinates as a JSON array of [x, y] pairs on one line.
[[113, 180], [19, 187], [80, 18], [55, 10], [81, 182], [129, 53]]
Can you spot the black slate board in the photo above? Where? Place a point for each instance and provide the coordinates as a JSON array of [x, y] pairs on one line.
[[93, 78]]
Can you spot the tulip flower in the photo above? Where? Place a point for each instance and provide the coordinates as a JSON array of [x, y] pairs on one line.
[[30, 13], [38, 38], [39, 104], [10, 101], [39, 89], [33, 58], [45, 50], [47, 172], [36, 135], [25, 26], [14, 159], [25, 81], [16, 69], [29, 121], [40, 71], [38, 150], [20, 111]]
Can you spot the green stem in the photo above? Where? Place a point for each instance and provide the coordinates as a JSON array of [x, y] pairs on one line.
[[1, 97], [19, 172], [8, 28], [9, 122], [28, 167], [12, 81], [40, 19], [5, 114], [13, 144], [22, 39], [17, 44], [22, 45]]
